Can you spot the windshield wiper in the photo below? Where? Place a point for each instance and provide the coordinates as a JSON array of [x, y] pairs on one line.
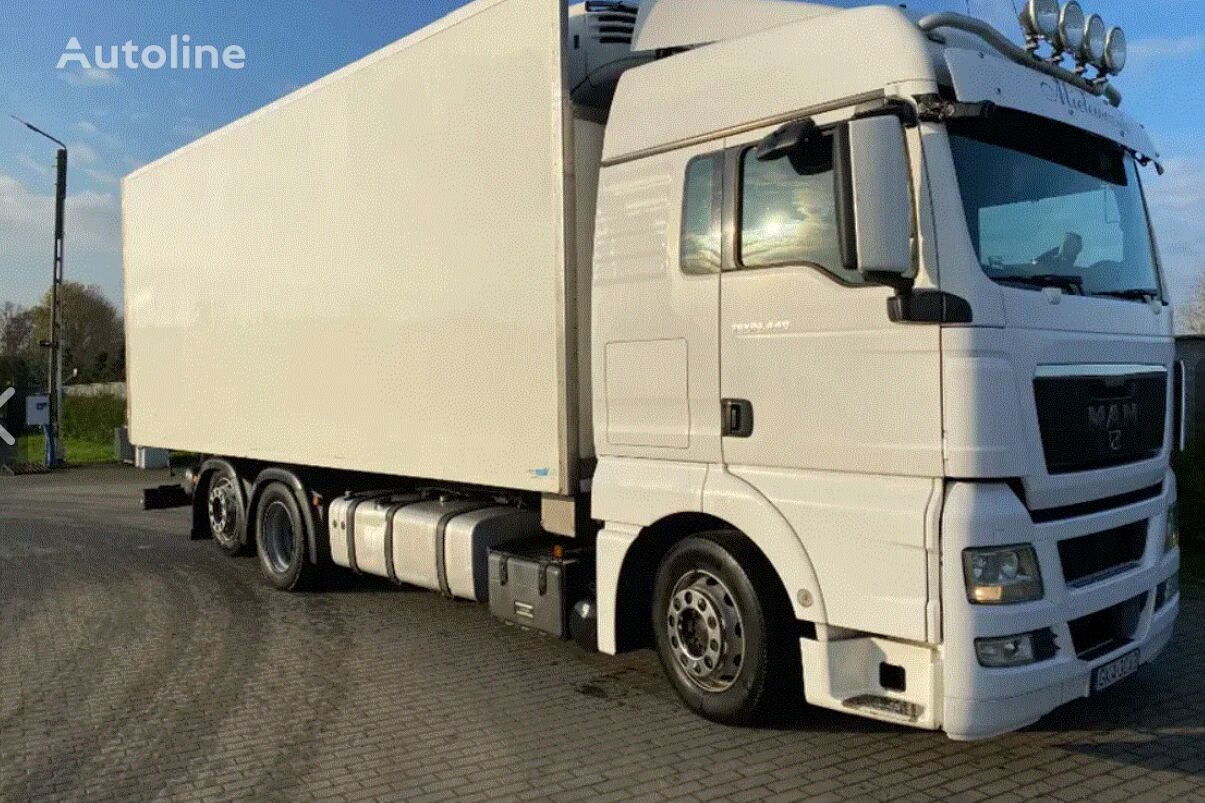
[[1070, 284], [1132, 294]]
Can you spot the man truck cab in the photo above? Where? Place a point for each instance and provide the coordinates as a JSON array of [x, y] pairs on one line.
[[894, 314]]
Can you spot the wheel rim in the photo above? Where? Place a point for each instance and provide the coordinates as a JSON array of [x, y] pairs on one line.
[[223, 510], [706, 631], [279, 546]]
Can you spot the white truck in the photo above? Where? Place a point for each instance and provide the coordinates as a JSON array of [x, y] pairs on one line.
[[827, 371]]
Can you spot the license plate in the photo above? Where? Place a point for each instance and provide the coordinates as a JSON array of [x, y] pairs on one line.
[[1118, 669]]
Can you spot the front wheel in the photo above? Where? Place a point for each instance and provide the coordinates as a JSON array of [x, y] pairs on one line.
[[723, 631], [281, 539]]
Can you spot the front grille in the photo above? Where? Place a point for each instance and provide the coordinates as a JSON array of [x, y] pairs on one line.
[[1090, 558], [1102, 632], [1095, 505], [1090, 422]]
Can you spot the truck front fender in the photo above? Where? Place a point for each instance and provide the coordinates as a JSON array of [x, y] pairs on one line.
[[732, 499], [633, 496]]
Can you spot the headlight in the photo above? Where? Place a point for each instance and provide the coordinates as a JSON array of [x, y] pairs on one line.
[[1000, 575], [1018, 650], [1171, 539]]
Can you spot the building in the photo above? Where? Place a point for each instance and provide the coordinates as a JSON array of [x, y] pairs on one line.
[[1190, 349]]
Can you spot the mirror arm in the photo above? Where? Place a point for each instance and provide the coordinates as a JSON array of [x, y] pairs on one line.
[[902, 285]]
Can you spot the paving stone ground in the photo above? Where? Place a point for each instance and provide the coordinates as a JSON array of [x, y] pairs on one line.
[[136, 664]]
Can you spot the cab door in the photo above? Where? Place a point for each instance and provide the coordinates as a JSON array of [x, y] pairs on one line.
[[829, 409]]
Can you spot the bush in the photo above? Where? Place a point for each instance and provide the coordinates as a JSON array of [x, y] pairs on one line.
[[1190, 482], [93, 418]]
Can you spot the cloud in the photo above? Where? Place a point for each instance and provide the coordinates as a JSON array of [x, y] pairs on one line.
[[91, 76], [188, 128], [92, 248], [1177, 201], [81, 153], [1166, 47], [90, 129], [101, 176], [132, 162], [34, 165]]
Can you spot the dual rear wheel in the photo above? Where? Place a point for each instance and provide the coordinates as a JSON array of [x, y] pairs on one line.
[[277, 531]]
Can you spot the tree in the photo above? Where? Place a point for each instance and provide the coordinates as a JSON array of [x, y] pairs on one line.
[[16, 331], [1191, 315], [93, 334]]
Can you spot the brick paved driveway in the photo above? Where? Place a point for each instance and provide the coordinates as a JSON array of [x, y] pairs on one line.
[[136, 664]]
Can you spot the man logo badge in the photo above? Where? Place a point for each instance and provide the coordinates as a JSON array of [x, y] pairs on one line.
[[1113, 419]]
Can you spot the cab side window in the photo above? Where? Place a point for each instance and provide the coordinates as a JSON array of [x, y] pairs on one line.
[[788, 211], [699, 246]]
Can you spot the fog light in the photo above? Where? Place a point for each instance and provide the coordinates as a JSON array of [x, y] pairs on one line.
[[1002, 575], [1019, 650], [1171, 539]]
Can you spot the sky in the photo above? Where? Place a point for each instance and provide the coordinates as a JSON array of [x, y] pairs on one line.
[[116, 120]]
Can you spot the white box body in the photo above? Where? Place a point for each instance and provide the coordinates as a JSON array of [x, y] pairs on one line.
[[377, 272]]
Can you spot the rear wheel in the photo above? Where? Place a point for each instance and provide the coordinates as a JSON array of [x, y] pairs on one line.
[[281, 538], [226, 514], [723, 631]]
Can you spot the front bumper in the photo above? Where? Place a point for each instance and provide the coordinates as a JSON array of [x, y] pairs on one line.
[[981, 702]]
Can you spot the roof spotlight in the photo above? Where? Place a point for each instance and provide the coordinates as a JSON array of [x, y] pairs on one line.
[[1115, 51], [1071, 28], [1092, 49], [1040, 19]]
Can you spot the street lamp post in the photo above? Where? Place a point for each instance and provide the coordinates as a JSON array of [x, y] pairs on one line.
[[54, 345]]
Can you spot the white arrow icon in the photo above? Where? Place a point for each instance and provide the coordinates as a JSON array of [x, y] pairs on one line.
[[4, 436]]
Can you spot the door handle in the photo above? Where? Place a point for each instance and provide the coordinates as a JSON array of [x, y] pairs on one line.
[[737, 417]]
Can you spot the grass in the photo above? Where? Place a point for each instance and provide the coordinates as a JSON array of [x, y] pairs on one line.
[[88, 424], [80, 452]]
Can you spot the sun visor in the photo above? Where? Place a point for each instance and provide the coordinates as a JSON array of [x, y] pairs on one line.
[[978, 76]]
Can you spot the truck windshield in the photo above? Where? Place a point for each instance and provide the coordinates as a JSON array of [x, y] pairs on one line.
[[1049, 205]]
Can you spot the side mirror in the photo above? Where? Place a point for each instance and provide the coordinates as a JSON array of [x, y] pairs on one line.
[[874, 199]]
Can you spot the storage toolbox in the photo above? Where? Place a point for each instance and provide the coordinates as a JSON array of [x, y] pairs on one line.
[[534, 583]]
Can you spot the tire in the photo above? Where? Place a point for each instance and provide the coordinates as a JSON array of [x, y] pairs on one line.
[[724, 631], [225, 512], [281, 538]]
